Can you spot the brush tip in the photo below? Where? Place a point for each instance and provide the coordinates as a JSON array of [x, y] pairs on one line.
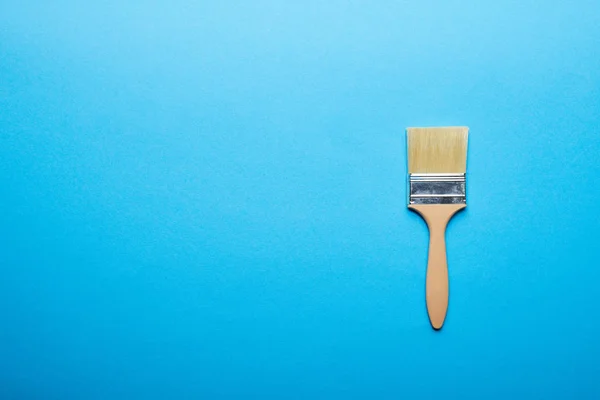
[[437, 150]]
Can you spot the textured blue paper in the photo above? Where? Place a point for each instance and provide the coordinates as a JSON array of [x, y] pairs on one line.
[[206, 200]]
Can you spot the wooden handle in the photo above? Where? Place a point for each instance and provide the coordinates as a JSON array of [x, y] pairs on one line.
[[437, 217]]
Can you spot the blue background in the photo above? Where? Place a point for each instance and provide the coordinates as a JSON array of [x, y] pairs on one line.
[[207, 199]]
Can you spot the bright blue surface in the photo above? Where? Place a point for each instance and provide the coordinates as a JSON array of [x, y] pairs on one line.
[[208, 201]]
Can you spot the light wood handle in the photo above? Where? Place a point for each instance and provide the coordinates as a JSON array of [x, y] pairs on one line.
[[437, 216]]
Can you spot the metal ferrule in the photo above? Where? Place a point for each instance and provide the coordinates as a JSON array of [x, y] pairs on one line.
[[437, 189]]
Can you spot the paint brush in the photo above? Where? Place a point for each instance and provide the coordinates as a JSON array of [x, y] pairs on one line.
[[437, 164]]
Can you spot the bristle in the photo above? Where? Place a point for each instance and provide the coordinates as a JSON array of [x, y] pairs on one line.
[[437, 150]]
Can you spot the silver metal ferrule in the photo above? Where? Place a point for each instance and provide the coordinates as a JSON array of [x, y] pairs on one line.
[[437, 189]]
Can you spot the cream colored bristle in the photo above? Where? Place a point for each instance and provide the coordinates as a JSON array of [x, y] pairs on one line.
[[437, 150]]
